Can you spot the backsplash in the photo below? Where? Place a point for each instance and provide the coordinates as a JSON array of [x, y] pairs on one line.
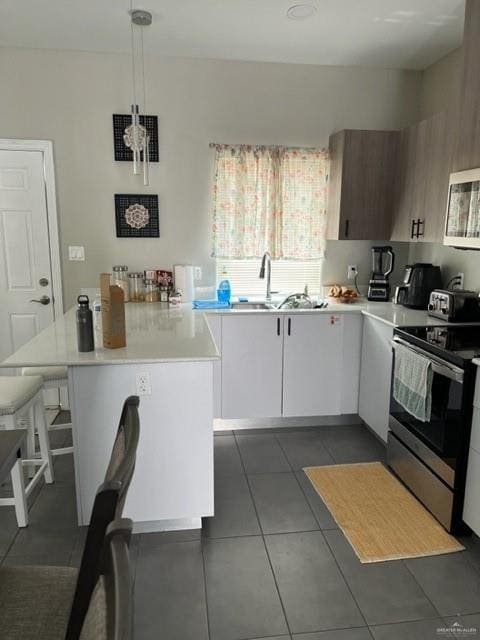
[[451, 260]]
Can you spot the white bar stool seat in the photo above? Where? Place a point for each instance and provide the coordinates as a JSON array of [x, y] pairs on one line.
[[20, 398], [53, 378]]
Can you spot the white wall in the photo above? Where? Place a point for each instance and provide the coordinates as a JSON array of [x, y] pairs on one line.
[[441, 84], [69, 97]]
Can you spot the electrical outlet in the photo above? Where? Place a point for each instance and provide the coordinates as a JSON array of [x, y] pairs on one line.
[[198, 273], [352, 271], [144, 386], [461, 280]]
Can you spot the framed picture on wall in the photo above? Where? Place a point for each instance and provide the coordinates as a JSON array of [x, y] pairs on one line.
[[122, 152], [136, 216]]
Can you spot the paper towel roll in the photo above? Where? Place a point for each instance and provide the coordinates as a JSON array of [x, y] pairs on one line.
[[184, 280]]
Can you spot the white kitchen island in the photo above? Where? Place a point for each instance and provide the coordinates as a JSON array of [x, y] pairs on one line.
[[172, 487]]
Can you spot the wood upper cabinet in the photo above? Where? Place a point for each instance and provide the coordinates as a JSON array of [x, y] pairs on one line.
[[439, 158], [423, 168], [467, 147], [402, 228], [362, 175]]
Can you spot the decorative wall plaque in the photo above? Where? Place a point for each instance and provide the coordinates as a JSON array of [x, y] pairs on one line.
[[121, 122], [136, 216]]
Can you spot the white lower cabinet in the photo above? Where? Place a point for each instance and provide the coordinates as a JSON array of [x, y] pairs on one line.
[[471, 506], [312, 365], [375, 375], [299, 365], [252, 348], [215, 324]]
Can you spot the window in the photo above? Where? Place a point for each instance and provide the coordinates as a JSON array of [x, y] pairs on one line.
[[288, 276], [269, 199]]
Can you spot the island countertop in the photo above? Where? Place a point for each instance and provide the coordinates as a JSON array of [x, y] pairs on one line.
[[154, 334]]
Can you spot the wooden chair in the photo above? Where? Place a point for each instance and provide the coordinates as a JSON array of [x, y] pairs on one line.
[[50, 603]]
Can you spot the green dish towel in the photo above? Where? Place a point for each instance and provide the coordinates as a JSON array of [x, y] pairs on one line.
[[412, 383]]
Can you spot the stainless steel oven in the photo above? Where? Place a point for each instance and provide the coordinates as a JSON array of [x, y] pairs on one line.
[[431, 457]]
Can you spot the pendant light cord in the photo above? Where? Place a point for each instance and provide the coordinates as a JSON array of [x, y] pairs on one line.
[[143, 76], [133, 60]]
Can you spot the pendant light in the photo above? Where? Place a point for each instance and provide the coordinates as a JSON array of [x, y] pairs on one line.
[[136, 136]]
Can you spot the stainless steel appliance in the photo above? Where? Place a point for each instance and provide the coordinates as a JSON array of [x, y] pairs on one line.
[[431, 457], [462, 225], [383, 261], [418, 281], [454, 306]]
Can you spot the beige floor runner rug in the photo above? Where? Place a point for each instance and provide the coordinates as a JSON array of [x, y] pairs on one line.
[[380, 517]]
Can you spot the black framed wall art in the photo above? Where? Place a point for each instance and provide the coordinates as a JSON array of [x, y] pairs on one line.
[[136, 216], [122, 152]]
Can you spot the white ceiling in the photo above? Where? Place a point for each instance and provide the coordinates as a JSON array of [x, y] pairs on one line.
[[387, 33]]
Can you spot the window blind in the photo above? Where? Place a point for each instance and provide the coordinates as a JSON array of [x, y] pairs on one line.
[[288, 276]]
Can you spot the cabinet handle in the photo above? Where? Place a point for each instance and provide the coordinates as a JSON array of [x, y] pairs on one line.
[[347, 227], [278, 326], [289, 330], [412, 232], [422, 232]]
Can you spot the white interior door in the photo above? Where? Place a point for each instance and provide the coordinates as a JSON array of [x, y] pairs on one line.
[[25, 269]]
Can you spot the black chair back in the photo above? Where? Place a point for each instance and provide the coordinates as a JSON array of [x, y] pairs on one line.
[[108, 506], [110, 614]]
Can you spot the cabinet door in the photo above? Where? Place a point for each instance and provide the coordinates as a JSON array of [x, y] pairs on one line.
[[467, 152], [471, 507], [375, 375], [420, 167], [312, 365], [362, 174], [367, 184], [252, 366], [440, 147], [215, 324], [404, 185]]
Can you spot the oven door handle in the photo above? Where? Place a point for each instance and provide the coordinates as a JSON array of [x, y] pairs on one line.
[[438, 365]]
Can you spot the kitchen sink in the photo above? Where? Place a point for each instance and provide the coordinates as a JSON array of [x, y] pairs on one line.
[[251, 306]]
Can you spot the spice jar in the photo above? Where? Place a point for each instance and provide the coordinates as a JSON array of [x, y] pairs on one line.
[[119, 278], [152, 293], [137, 289]]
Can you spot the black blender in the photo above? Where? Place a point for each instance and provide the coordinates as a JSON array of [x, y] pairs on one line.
[[383, 260]]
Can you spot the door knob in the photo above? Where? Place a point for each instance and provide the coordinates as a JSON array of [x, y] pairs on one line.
[[43, 300]]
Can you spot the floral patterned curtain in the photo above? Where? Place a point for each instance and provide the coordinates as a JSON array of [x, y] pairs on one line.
[[269, 199]]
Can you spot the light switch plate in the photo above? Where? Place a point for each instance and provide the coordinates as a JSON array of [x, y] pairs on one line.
[[198, 273], [76, 254]]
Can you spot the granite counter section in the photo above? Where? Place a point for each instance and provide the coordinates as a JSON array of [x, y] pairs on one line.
[[154, 334], [392, 314]]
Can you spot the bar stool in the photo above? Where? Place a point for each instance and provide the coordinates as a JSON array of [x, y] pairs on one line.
[[20, 398], [53, 378]]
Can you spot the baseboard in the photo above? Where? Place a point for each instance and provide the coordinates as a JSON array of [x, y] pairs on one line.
[[220, 424], [156, 526]]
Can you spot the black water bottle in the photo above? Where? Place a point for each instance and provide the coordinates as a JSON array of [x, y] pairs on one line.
[[84, 325]]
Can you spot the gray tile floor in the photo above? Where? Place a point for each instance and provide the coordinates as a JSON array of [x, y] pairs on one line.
[[271, 564]]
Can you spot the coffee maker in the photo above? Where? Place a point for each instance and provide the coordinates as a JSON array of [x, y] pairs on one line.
[[383, 260]]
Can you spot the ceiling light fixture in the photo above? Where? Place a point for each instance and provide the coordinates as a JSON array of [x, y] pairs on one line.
[[301, 11], [136, 135]]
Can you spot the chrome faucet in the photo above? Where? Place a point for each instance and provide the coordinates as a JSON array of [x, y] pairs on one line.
[[267, 259]]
